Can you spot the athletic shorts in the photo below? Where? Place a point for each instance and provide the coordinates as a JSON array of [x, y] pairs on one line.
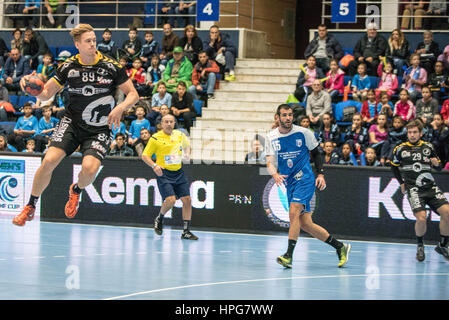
[[173, 183], [420, 197], [68, 138], [301, 193]]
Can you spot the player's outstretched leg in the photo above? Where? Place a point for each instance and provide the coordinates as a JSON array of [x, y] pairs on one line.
[[187, 218], [443, 246]]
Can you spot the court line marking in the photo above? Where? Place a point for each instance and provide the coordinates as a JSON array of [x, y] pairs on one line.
[[272, 279]]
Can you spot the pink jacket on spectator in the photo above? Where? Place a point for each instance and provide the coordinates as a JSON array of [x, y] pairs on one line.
[[388, 82], [445, 110], [422, 77], [405, 110], [335, 81]]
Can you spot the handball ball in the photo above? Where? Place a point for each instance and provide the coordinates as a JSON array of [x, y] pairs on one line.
[[34, 85]]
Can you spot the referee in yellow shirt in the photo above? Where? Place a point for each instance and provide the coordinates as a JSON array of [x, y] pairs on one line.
[[169, 145]]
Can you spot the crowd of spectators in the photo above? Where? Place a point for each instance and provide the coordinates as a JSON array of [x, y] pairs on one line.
[[169, 76]]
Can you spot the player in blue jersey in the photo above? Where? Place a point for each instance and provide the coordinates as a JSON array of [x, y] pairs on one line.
[[287, 149]]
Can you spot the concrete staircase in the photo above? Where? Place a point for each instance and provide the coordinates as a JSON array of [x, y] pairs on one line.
[[242, 109]]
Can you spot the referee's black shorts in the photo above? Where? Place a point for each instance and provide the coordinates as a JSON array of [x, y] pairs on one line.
[[173, 183]]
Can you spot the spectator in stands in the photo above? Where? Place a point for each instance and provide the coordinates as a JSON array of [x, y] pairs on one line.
[[164, 110], [428, 51], [191, 44], [220, 48], [357, 135], [440, 138], [398, 51], [369, 50], [433, 19], [360, 84], [153, 75], [137, 75], [55, 12], [166, 9], [17, 40], [308, 74], [46, 127], [335, 80], [413, 9], [119, 129], [15, 68], [438, 81], [177, 69], [119, 148], [329, 155], [4, 144], [404, 107], [30, 146], [157, 100], [204, 78], [169, 42], [426, 107], [131, 48], [34, 47], [445, 112], [387, 105], [136, 125], [396, 135], [324, 47], [182, 106], [318, 103], [257, 154], [149, 49], [107, 45], [371, 158], [3, 52], [345, 157], [444, 57], [378, 133], [328, 131], [388, 80], [25, 129], [31, 9], [370, 108], [4, 98], [141, 143], [47, 68], [186, 8], [415, 78]]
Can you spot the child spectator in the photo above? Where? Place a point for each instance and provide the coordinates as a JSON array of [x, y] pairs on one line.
[[182, 105], [119, 148], [107, 45], [426, 107], [120, 129], [137, 75], [396, 135], [370, 108], [154, 74], [47, 124], [345, 157], [360, 84], [388, 80], [30, 146], [149, 49], [445, 112], [162, 97], [415, 78], [4, 144], [440, 138], [404, 107], [304, 122], [329, 155], [25, 129], [124, 62], [378, 133], [131, 48], [164, 110], [46, 69], [335, 80], [328, 131], [371, 158], [137, 125], [357, 135], [309, 73], [387, 105], [438, 81]]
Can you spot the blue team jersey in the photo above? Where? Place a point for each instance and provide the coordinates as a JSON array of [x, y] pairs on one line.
[[44, 125], [136, 126], [28, 124]]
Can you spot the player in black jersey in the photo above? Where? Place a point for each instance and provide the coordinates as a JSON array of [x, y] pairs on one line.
[[91, 79], [416, 159]]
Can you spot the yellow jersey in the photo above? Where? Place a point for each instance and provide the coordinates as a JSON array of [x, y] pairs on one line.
[[168, 149]]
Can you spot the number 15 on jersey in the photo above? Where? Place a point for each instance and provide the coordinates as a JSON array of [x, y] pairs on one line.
[[344, 11], [208, 10]]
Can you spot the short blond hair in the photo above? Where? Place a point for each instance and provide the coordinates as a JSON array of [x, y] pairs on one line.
[[79, 30]]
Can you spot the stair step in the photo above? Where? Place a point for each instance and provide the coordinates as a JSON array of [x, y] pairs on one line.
[[253, 106], [267, 71], [214, 123], [237, 115], [257, 87], [275, 97], [280, 79], [268, 63]]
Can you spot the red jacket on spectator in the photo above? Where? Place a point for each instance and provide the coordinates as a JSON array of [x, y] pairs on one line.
[[336, 82], [211, 66], [137, 75], [445, 110]]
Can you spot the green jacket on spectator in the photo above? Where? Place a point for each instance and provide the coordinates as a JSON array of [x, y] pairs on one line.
[[184, 74]]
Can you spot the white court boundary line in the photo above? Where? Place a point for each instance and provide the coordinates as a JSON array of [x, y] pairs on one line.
[[273, 279]]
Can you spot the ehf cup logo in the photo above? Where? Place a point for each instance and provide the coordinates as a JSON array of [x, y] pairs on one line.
[[8, 188], [275, 203], [12, 181]]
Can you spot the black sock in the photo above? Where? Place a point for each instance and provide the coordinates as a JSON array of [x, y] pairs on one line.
[[420, 241], [291, 247], [444, 240], [334, 242], [186, 225], [33, 200], [160, 216], [77, 189]]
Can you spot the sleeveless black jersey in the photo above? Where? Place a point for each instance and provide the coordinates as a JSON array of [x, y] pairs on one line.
[[91, 90], [415, 163]]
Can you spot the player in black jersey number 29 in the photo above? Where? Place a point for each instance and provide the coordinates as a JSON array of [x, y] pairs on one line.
[[91, 80], [416, 159]]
